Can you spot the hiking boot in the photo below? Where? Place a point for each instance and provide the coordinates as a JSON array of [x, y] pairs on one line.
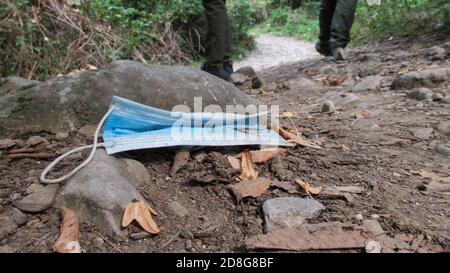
[[339, 54], [323, 50], [228, 67], [217, 71]]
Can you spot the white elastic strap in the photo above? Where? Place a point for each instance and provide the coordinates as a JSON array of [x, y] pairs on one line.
[[94, 147]]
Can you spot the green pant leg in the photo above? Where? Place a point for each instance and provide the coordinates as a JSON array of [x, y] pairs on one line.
[[326, 12], [342, 22], [217, 24]]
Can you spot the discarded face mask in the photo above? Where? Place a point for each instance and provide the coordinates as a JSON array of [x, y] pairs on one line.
[[133, 126]]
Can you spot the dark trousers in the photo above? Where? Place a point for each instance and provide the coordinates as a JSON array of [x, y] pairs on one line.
[[336, 20], [218, 48]]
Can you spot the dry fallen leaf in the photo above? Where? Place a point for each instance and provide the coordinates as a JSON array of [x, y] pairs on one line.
[[253, 188], [248, 170], [181, 159], [140, 212], [287, 115], [90, 67], [361, 114], [264, 156], [297, 139], [434, 178], [234, 162], [308, 188], [334, 80], [68, 241]]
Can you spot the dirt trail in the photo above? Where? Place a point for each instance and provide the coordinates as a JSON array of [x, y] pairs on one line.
[[272, 50], [376, 137]]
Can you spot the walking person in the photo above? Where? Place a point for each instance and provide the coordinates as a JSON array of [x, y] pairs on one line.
[[335, 20], [218, 47]]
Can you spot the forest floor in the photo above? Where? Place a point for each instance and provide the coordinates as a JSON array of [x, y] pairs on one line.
[[377, 138]]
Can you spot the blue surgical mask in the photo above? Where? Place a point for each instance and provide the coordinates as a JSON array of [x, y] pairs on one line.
[[133, 126]]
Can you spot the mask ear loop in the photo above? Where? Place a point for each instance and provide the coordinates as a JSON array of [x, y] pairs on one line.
[[94, 147]]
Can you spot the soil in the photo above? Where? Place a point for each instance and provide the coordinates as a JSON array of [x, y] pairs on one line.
[[367, 142]]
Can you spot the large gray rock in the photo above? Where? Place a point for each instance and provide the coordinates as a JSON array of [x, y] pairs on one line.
[[289, 212], [70, 102], [12, 83], [102, 190], [40, 200], [428, 78]]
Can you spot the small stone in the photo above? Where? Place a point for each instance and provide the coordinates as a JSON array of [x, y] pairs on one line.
[[7, 226], [421, 94], [36, 140], [289, 212], [247, 71], [436, 51], [373, 247], [200, 156], [88, 131], [359, 217], [328, 107], [188, 245], [40, 200], [422, 133], [444, 128], [437, 97], [370, 83], [178, 209], [257, 83], [61, 136], [19, 217], [238, 78], [446, 99], [443, 149], [375, 216], [373, 226], [34, 188], [99, 242]]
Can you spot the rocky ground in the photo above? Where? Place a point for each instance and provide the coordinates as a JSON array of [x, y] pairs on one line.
[[382, 118]]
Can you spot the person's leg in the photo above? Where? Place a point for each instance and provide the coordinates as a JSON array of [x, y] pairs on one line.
[[342, 23], [216, 18], [326, 12], [228, 49]]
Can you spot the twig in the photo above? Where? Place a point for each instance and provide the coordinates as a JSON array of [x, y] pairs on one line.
[[171, 240], [108, 242], [32, 156], [22, 151]]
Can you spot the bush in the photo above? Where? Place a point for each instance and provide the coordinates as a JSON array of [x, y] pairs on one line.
[[301, 23], [42, 38], [400, 18]]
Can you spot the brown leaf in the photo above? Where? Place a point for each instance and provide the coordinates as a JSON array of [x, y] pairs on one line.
[[253, 188], [287, 115], [234, 162], [297, 139], [181, 159], [361, 114], [323, 236], [309, 190], [248, 170], [7, 143], [140, 212], [434, 178], [68, 241], [334, 80], [264, 156]]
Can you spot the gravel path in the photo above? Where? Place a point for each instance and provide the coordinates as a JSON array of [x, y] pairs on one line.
[[272, 51]]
